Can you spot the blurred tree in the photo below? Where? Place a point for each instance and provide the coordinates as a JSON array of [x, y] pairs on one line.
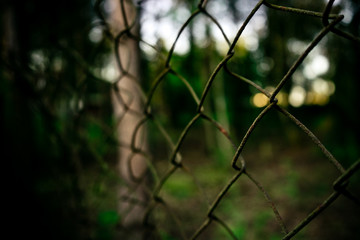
[[55, 117], [56, 112], [344, 58], [128, 110]]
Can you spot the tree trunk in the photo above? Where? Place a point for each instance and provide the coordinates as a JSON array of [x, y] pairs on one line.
[[128, 108]]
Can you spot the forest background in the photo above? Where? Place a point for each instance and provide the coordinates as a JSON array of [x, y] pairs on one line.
[[57, 119]]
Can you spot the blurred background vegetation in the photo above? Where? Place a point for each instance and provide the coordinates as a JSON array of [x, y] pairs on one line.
[[59, 148]]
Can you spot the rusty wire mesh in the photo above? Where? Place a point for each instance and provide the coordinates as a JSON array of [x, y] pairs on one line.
[[155, 200]]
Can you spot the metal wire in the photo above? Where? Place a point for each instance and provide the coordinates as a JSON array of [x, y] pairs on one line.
[[238, 163]]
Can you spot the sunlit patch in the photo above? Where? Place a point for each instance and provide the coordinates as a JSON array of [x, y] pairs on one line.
[[226, 22], [265, 65], [322, 86], [298, 78], [240, 48], [320, 92], [282, 99], [315, 64], [296, 46], [156, 25], [314, 98], [318, 65], [38, 60], [110, 72], [96, 34], [148, 51], [41, 83], [199, 27], [80, 104], [348, 14], [297, 96], [259, 100], [58, 64], [260, 23], [222, 47], [166, 28], [76, 104], [270, 89], [310, 97], [252, 42], [182, 45], [109, 6]]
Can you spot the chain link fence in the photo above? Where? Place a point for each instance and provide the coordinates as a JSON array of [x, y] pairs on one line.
[[149, 210], [144, 196]]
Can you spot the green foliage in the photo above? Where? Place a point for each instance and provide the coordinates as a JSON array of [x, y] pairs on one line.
[[180, 186], [107, 221], [58, 129], [53, 126], [240, 231]]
